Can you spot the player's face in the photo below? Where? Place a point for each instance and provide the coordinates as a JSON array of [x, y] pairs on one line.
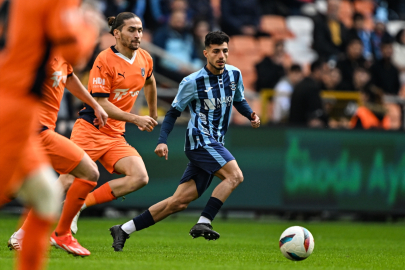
[[131, 34], [217, 55]]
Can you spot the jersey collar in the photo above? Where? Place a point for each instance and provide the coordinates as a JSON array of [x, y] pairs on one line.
[[117, 53]]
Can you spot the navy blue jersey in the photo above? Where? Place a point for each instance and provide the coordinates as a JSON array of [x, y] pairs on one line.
[[210, 98]]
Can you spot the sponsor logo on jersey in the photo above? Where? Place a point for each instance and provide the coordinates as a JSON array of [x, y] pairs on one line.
[[143, 72], [120, 93], [98, 80], [208, 89], [203, 118], [57, 77], [216, 103], [233, 86], [123, 75]]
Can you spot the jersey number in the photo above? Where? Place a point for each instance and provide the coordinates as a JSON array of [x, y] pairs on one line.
[[4, 11]]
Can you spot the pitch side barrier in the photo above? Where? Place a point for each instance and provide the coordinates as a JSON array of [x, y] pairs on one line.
[[289, 169]]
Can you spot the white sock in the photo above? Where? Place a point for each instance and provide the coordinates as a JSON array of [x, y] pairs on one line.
[[129, 227], [83, 207], [204, 220], [19, 234]]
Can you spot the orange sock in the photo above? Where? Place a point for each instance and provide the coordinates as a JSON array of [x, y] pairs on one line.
[[101, 195], [35, 243], [75, 198], [4, 200], [26, 223]]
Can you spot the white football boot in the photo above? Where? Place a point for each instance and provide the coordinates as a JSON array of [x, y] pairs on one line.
[[14, 243]]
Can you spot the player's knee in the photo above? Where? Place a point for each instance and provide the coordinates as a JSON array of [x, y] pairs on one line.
[[236, 179], [137, 182], [43, 193], [93, 173]]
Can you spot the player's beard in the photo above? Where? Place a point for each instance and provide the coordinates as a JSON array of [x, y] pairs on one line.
[[130, 45], [216, 67]]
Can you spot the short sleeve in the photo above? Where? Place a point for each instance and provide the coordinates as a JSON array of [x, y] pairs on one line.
[[69, 69], [150, 64], [240, 89], [100, 80], [185, 94]]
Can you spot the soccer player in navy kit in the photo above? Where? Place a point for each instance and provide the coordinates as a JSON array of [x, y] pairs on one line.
[[209, 93]]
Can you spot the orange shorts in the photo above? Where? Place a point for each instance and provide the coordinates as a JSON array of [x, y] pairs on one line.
[[64, 154], [100, 146], [20, 153]]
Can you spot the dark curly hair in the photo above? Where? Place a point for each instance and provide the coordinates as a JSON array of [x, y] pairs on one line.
[[216, 37]]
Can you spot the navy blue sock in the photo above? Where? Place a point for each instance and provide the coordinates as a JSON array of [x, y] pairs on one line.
[[211, 208], [143, 221]]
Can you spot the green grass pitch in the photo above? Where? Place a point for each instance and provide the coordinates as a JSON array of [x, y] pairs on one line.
[[244, 244]]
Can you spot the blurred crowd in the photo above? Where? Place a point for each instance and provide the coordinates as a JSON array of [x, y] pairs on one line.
[[348, 51]]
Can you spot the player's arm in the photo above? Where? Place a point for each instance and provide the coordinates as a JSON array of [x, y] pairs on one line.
[[186, 93], [167, 127], [75, 87], [143, 122], [242, 106], [151, 96]]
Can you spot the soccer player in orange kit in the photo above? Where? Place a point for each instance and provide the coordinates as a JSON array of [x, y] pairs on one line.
[[29, 30], [117, 76], [65, 156]]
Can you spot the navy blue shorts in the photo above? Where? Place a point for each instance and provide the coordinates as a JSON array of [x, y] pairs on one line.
[[204, 162]]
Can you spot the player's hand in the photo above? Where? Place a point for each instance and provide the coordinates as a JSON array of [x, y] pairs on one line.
[[255, 122], [145, 123], [101, 115], [162, 150]]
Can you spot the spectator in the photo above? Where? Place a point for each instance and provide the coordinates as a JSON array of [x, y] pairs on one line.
[[332, 79], [178, 42], [372, 114], [200, 30], [329, 33], [306, 104], [361, 77], [352, 60], [399, 54], [240, 17], [377, 35], [270, 70], [283, 91], [202, 10], [359, 31], [384, 74]]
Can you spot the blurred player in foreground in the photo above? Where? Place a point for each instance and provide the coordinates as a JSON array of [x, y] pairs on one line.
[[117, 76], [209, 93], [29, 30], [65, 156]]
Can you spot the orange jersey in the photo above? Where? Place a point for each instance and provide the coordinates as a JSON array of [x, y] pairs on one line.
[[58, 71], [120, 79], [31, 30]]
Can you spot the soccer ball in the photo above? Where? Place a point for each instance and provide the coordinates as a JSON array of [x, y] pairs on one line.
[[296, 243]]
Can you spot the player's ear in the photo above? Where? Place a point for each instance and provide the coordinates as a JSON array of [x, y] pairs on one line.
[[116, 33], [205, 52]]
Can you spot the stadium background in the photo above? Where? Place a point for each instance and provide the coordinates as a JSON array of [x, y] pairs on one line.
[[290, 171]]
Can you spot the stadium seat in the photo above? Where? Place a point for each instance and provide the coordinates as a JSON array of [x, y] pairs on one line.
[[266, 46], [243, 45], [106, 41], [364, 6], [275, 26], [299, 48], [394, 26]]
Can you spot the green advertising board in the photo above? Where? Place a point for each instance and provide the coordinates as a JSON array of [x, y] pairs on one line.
[[288, 169]]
